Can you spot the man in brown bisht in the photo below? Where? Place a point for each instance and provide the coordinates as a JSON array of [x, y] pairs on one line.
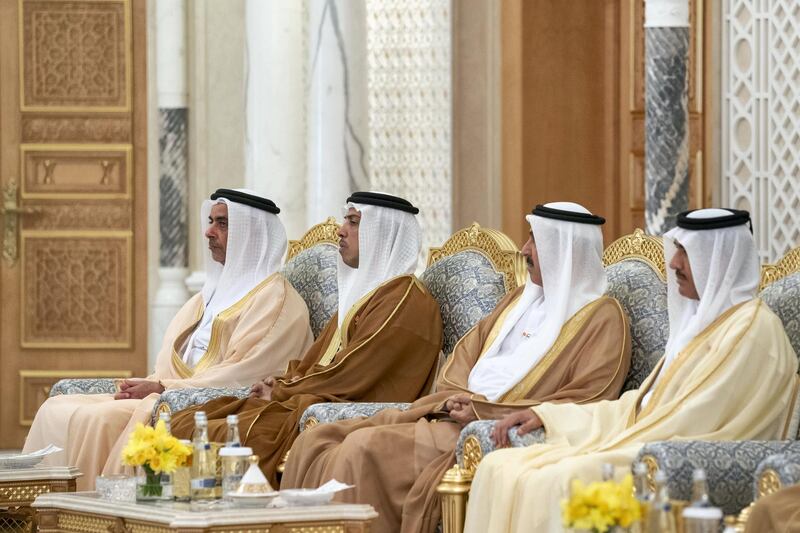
[[381, 346], [557, 339]]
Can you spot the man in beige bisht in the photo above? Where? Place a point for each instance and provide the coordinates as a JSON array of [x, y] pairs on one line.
[[246, 323], [558, 338], [728, 373]]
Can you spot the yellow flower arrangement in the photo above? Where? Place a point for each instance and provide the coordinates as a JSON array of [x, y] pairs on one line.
[[156, 451], [601, 506]]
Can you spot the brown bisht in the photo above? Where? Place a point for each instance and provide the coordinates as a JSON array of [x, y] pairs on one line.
[[385, 351], [396, 459]]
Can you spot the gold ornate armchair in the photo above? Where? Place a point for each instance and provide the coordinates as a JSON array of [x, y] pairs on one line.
[[636, 273], [741, 471]]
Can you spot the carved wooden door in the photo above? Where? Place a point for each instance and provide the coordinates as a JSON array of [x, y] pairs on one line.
[[73, 176]]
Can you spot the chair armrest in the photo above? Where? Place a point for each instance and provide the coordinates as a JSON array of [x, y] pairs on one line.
[[475, 441], [175, 400], [83, 386], [730, 467], [323, 413], [776, 472]]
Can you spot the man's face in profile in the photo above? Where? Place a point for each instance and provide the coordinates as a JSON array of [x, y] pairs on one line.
[[532, 260], [217, 232], [348, 238], [683, 273]]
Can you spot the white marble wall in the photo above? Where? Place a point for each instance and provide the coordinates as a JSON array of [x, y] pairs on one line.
[[338, 138]]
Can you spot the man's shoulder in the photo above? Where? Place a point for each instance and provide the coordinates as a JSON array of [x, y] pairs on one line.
[[605, 308]]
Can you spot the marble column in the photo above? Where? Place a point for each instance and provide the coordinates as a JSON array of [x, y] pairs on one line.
[[338, 138], [666, 113], [275, 154], [172, 96]]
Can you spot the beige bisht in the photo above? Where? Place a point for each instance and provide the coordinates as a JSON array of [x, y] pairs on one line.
[[247, 323], [776, 513], [560, 342], [728, 373]]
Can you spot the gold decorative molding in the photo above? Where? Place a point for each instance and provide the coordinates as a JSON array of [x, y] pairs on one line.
[[281, 468], [454, 491], [638, 245], [317, 529], [52, 313], [741, 520], [75, 129], [788, 265], [81, 523], [769, 482], [495, 245], [652, 467], [22, 492], [61, 73], [473, 453], [324, 232], [89, 167]]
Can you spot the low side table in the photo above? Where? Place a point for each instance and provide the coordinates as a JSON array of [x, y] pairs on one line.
[[85, 512], [20, 487]]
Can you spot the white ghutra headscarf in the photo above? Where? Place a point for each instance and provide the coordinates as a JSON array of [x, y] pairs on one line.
[[571, 262], [389, 241], [726, 272], [256, 246]]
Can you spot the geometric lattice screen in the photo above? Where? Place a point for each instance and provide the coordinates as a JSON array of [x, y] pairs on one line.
[[409, 54], [761, 118]]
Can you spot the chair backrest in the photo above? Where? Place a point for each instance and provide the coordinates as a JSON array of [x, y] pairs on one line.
[[311, 269], [637, 279], [468, 275], [780, 290]]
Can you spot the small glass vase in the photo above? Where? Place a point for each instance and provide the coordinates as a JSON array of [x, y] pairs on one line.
[[152, 486]]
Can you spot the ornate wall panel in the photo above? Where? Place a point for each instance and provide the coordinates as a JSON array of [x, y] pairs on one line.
[[76, 290], [75, 55], [761, 118], [409, 56], [75, 171], [38, 129]]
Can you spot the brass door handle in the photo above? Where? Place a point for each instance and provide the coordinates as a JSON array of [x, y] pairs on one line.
[[11, 211]]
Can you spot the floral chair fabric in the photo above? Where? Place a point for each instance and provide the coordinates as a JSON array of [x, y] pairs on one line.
[[786, 465], [331, 412], [731, 466], [467, 288], [83, 386], [176, 400], [643, 296], [312, 273], [482, 431]]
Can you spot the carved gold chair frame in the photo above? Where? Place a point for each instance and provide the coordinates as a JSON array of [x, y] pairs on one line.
[[324, 232], [455, 484], [769, 482]]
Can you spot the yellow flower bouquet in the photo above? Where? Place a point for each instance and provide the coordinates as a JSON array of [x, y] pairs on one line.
[[156, 452], [601, 506]]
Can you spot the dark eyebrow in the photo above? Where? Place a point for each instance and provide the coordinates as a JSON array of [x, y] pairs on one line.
[[218, 219]]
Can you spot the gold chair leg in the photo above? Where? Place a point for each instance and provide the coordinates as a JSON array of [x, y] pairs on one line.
[[454, 489]]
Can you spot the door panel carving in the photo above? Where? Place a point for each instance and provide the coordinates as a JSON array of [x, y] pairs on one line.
[[75, 171]]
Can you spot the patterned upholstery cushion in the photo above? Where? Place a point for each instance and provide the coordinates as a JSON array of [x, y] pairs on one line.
[[482, 430], [730, 467], [312, 273], [331, 412], [467, 288], [180, 399], [783, 297], [643, 296], [83, 386], [786, 465]]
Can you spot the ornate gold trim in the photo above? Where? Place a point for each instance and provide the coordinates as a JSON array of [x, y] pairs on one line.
[[639, 246], [454, 490], [324, 232], [789, 264], [62, 374], [311, 421], [127, 149], [741, 520], [652, 467], [78, 108], [769, 482], [127, 235], [281, 468], [473, 453], [495, 245]]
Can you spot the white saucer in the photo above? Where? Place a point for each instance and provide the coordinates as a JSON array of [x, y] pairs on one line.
[[16, 461], [306, 496], [252, 499]]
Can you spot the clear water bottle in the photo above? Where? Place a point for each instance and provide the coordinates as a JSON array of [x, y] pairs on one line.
[[700, 489], [232, 440], [659, 517], [204, 464], [608, 472], [167, 419], [640, 485]]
